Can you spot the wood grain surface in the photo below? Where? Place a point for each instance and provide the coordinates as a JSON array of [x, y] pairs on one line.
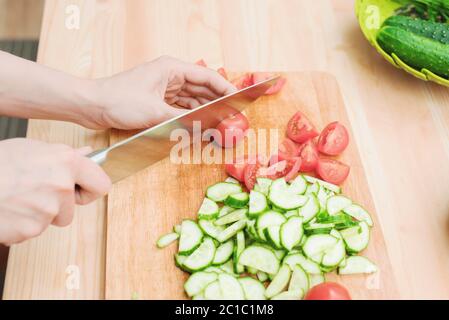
[[400, 124], [150, 203]]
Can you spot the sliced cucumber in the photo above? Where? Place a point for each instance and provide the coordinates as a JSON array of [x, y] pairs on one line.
[[238, 249], [299, 280], [230, 287], [357, 264], [220, 191], [268, 219], [224, 252], [202, 257], [336, 204], [167, 239], [224, 211], [179, 261], [356, 238], [260, 258], [190, 238], [253, 289], [177, 228], [237, 200], [228, 268], [231, 231], [280, 254], [198, 281], [289, 295], [316, 279], [264, 185], [310, 209], [257, 203], [262, 276], [334, 256], [313, 188], [208, 210], [327, 185], [251, 229], [232, 217], [251, 270], [199, 296], [318, 228], [209, 228], [358, 213], [279, 283], [318, 245], [291, 233], [292, 213], [281, 197], [273, 236], [308, 265], [213, 291], [298, 185]]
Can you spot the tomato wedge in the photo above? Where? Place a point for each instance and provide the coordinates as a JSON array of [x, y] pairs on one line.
[[243, 81], [328, 291], [283, 168], [250, 175], [300, 129], [288, 148], [309, 156], [236, 169], [232, 130], [332, 171], [333, 139]]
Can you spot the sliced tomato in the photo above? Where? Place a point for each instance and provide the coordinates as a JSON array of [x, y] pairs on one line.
[[333, 139], [262, 76], [232, 130], [288, 149], [309, 156], [328, 291], [332, 171], [300, 129], [243, 81], [201, 62], [284, 168], [251, 174], [223, 73], [236, 169]]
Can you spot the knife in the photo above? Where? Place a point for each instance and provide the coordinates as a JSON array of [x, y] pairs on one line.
[[152, 145]]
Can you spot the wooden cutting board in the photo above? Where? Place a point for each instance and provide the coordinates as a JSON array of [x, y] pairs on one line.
[[148, 204]]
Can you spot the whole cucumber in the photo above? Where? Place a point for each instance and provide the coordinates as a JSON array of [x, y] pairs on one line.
[[429, 29], [417, 51]]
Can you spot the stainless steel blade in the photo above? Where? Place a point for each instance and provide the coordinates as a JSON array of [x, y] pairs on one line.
[[152, 145]]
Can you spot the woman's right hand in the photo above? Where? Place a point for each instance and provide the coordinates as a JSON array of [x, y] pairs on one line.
[[37, 186]]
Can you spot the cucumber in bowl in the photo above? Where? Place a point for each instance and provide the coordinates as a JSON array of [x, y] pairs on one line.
[[275, 243]]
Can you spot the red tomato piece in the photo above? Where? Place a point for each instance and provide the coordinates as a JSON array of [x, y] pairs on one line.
[[262, 76], [251, 174], [223, 73], [309, 156], [300, 129], [236, 169], [288, 149], [244, 81], [232, 130], [201, 63], [295, 163], [328, 291], [333, 139], [283, 168], [332, 171]]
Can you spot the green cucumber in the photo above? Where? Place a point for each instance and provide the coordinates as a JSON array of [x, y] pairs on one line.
[[208, 210], [281, 197], [198, 281], [291, 233], [279, 282], [220, 191], [167, 239], [230, 287], [356, 238], [264, 185], [210, 228], [357, 265], [232, 217], [202, 257], [429, 29], [299, 280], [253, 289], [238, 249], [257, 204], [260, 258], [310, 209], [237, 200], [231, 231], [190, 238], [224, 252], [417, 51], [267, 219]]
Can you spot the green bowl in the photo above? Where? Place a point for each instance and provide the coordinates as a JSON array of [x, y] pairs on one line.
[[371, 14]]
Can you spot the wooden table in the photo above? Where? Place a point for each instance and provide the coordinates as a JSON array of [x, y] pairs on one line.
[[401, 124]]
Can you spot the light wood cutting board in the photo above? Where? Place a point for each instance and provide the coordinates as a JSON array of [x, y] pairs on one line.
[[148, 204]]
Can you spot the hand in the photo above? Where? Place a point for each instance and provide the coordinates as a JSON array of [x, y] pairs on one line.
[[37, 186], [154, 92]]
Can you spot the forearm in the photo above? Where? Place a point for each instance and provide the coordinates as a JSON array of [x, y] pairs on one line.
[[29, 90]]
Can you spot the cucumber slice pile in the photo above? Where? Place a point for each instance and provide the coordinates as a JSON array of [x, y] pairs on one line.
[[276, 242]]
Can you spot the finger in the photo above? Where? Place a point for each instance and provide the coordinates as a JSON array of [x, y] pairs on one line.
[[188, 102], [66, 210], [203, 100], [193, 90], [91, 179], [208, 78]]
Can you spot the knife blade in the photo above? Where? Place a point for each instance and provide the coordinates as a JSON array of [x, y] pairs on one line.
[[152, 145]]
